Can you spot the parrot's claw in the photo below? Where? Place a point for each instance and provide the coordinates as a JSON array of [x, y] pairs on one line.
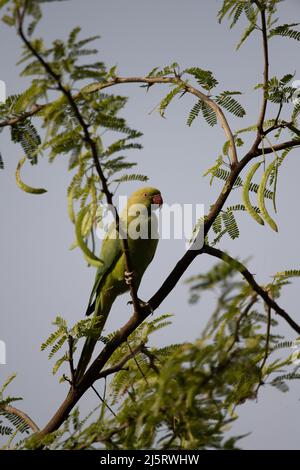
[[142, 304], [128, 277], [146, 304]]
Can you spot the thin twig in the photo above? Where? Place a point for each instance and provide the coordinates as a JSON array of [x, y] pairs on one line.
[[251, 281], [267, 348], [122, 363], [266, 71], [189, 89], [278, 114], [285, 145], [103, 401], [239, 320], [152, 359], [268, 309], [137, 364], [70, 358]]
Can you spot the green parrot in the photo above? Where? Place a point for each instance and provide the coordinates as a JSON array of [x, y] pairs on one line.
[[112, 279]]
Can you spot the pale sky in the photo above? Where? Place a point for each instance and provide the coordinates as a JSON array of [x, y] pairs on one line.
[[41, 278]]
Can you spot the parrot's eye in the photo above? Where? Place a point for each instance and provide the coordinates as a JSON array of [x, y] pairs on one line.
[[145, 194]]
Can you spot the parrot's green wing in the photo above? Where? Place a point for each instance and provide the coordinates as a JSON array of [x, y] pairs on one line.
[[111, 252]]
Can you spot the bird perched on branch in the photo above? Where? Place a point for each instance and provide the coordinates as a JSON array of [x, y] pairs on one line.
[[139, 222]]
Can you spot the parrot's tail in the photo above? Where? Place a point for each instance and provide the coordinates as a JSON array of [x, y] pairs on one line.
[[90, 309], [102, 308], [85, 357]]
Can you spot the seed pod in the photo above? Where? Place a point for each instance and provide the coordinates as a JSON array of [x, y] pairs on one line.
[[22, 185], [89, 255], [70, 206], [261, 197], [246, 196]]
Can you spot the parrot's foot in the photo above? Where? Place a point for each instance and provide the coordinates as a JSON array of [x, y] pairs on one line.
[[128, 277], [142, 304]]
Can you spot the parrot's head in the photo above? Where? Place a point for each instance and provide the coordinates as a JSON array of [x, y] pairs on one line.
[[148, 196]]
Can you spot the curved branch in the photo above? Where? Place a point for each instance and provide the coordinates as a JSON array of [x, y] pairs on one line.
[[122, 363], [278, 147], [116, 81], [15, 120], [266, 71], [15, 411], [189, 89]]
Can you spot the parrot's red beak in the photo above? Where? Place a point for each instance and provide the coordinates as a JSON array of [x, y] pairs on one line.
[[157, 200]]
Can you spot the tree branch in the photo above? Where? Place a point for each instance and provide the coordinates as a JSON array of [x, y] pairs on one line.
[[266, 71], [15, 120], [266, 355], [70, 358], [15, 411], [119, 80], [189, 89], [122, 363], [239, 320], [251, 281], [152, 358], [278, 147], [103, 401]]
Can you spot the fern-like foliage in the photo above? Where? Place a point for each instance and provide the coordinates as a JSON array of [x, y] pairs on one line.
[[230, 224], [286, 30], [12, 423], [132, 177], [226, 100], [205, 78], [209, 114], [62, 336], [26, 134], [168, 98], [287, 274], [279, 90], [235, 9], [194, 113]]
